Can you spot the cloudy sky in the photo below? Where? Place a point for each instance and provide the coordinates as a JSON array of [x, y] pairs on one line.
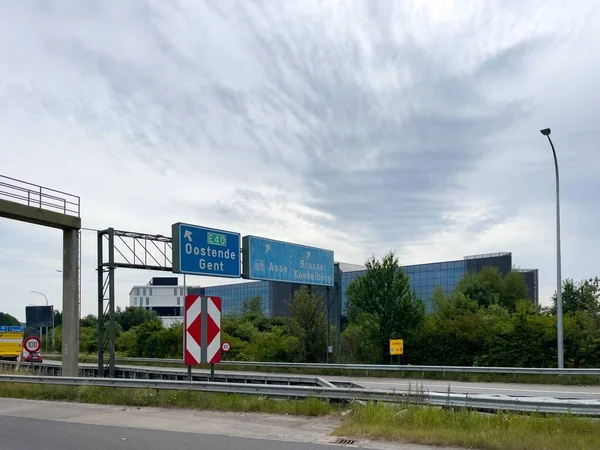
[[358, 126]]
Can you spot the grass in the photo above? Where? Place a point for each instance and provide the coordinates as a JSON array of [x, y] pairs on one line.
[[415, 424], [166, 399], [463, 428], [566, 380]]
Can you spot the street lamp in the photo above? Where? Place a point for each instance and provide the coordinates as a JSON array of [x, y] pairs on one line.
[[559, 313], [44, 295]]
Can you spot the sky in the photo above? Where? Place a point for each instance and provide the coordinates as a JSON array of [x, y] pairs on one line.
[[356, 126]]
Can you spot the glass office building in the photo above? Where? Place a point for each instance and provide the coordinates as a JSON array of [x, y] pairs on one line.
[[424, 278], [233, 296]]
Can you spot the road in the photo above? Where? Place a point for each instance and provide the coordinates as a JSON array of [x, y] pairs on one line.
[[458, 387], [39, 425], [406, 384]]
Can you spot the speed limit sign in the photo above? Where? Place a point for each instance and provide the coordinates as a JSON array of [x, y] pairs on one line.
[[226, 346], [32, 344]]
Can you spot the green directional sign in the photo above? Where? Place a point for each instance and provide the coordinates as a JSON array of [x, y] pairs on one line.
[[217, 239]]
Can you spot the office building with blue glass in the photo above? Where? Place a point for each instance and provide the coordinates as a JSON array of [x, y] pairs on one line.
[[424, 278]]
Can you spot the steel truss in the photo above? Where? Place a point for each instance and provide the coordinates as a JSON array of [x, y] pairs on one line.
[[127, 250]]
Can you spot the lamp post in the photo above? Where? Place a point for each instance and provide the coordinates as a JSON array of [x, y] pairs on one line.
[[559, 313], [44, 295]]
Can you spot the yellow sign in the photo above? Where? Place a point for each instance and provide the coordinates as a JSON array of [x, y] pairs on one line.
[[396, 346]]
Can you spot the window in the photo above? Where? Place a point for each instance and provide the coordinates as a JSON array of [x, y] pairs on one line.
[[149, 291], [147, 301], [136, 291], [178, 301], [134, 301], [144, 291], [175, 291]]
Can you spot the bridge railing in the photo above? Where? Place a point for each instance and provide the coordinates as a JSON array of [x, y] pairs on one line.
[[42, 197]]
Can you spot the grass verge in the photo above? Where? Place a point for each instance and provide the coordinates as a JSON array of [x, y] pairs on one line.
[[463, 428], [415, 424], [166, 399]]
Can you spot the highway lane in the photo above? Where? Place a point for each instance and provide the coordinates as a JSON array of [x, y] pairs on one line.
[[33, 434], [483, 388], [406, 384], [38, 425]]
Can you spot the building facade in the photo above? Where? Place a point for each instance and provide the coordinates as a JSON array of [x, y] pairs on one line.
[[424, 278], [164, 296]]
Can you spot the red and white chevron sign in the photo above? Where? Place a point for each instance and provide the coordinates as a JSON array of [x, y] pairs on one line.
[[202, 325], [213, 328]]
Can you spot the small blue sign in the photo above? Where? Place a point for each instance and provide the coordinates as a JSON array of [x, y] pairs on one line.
[[206, 251], [12, 329], [266, 259]]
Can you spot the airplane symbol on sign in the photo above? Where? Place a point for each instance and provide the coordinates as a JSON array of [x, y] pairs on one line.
[[267, 248], [307, 255]]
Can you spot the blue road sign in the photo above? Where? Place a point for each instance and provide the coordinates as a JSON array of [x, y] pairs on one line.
[[205, 251], [13, 329], [266, 259]]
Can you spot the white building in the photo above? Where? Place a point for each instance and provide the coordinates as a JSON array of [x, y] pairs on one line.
[[166, 299]]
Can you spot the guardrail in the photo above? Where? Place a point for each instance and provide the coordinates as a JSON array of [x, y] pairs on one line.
[[39, 196], [486, 403], [173, 374], [384, 367]]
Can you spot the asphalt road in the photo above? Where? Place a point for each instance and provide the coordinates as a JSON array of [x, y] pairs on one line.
[[41, 425], [35, 434], [458, 387]]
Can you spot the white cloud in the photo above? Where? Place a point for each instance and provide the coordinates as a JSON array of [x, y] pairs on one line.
[[358, 126]]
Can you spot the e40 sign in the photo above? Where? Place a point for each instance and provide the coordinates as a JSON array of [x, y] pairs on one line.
[[217, 239]]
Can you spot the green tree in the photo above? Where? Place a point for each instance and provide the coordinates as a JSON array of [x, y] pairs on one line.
[[89, 321], [454, 334], [489, 287], [8, 320], [307, 323], [275, 345], [484, 287], [528, 340], [579, 296], [57, 318], [359, 343], [88, 340], [513, 289], [133, 316], [383, 300], [252, 308], [144, 342]]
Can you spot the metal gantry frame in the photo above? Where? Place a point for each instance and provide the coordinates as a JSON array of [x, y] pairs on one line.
[[133, 250], [127, 250]]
